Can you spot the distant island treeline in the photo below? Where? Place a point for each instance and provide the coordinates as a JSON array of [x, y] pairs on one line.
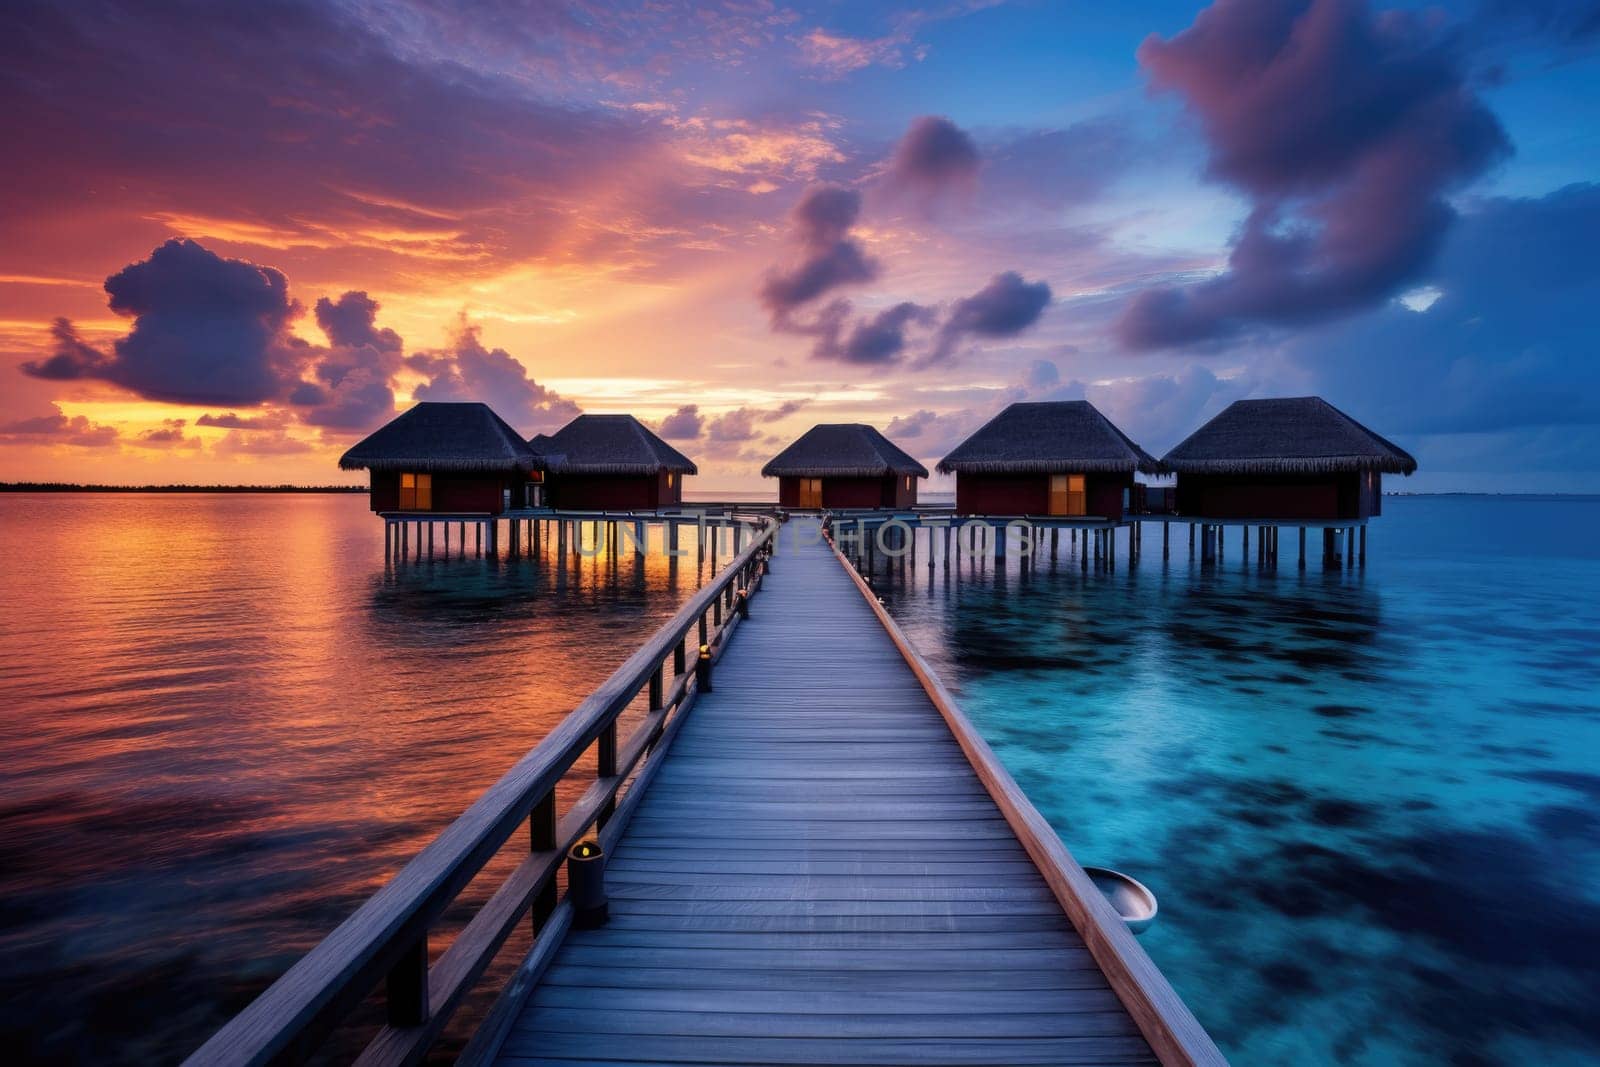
[[73, 487]]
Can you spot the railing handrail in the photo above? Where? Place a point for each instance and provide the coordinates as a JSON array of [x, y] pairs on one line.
[[298, 1010]]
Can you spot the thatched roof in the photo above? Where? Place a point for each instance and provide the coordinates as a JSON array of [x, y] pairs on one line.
[[443, 437], [609, 444], [1057, 437], [1291, 435], [842, 450]]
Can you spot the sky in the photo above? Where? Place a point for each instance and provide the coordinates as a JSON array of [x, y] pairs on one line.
[[236, 238]]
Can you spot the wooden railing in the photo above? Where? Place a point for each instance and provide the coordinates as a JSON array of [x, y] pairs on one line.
[[1174, 1034], [386, 939]]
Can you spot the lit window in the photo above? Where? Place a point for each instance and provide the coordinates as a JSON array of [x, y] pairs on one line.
[[1067, 495], [670, 477], [908, 483], [416, 492]]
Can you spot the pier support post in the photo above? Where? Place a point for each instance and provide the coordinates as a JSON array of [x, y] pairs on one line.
[[1363, 546], [1191, 540], [430, 538], [1244, 547], [1166, 540], [405, 540], [1350, 546]]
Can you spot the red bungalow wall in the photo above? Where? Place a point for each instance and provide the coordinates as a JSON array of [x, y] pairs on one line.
[[1286, 496], [467, 493], [615, 492], [892, 491], [1029, 494]]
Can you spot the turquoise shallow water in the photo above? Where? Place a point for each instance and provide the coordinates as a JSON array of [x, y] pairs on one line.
[[1369, 802]]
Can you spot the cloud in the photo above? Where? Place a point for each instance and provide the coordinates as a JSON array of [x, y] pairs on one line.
[[170, 435], [835, 55], [935, 160], [233, 421], [352, 388], [468, 371], [684, 424], [829, 256], [1507, 348], [351, 322], [58, 429], [1005, 307], [876, 340], [298, 125], [1345, 130], [206, 330], [732, 426], [271, 443]]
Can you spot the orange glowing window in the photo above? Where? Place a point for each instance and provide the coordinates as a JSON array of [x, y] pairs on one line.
[[670, 479], [416, 492], [1067, 495]]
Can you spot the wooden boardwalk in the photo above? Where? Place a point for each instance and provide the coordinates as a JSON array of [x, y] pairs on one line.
[[817, 874]]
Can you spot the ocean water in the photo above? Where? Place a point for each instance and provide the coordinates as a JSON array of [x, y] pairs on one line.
[[1368, 801], [225, 722]]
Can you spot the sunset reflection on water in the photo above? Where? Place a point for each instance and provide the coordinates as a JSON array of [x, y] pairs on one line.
[[228, 721]]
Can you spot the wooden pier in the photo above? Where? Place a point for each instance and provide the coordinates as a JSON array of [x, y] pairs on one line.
[[818, 861]]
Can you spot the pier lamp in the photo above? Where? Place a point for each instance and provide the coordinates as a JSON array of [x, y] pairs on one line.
[[586, 885], [742, 605], [702, 669]]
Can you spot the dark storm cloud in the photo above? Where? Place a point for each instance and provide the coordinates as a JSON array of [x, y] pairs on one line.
[[829, 256], [1003, 308], [206, 330], [934, 159], [684, 424], [468, 371], [879, 339], [1346, 130]]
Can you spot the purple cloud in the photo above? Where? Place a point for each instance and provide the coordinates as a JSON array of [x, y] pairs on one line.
[[352, 388], [234, 421], [684, 424], [876, 340], [934, 160], [829, 256], [1005, 307], [469, 371], [1346, 131], [58, 429], [206, 330]]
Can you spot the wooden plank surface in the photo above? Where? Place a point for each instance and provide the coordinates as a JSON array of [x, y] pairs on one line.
[[816, 875]]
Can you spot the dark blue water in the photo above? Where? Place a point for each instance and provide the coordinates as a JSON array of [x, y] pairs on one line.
[[1369, 802]]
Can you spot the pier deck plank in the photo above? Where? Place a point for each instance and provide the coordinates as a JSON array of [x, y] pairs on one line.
[[817, 876]]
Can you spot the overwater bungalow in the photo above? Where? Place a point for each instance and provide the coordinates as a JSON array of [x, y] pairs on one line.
[[1293, 458], [844, 465], [459, 459], [611, 462], [1061, 458]]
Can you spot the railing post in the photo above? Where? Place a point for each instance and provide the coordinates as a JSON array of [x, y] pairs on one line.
[[542, 831], [406, 988], [655, 690], [606, 767], [680, 659]]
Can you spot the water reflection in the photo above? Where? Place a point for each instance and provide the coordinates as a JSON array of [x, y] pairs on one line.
[[1364, 798], [230, 721]]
